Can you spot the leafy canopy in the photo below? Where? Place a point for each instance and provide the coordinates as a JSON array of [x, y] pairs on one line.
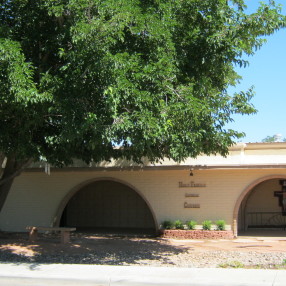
[[274, 138], [101, 79]]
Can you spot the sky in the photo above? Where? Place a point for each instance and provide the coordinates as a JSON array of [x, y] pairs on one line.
[[267, 73]]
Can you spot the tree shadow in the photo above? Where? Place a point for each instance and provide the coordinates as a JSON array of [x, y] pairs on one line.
[[87, 248]]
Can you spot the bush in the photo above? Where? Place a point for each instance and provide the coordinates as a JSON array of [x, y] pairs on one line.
[[191, 224], [207, 225], [220, 224], [167, 224], [178, 224]]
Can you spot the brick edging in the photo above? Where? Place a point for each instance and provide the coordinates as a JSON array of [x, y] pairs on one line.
[[196, 234]]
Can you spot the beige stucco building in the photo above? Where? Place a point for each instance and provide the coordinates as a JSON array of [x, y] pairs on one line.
[[238, 189]]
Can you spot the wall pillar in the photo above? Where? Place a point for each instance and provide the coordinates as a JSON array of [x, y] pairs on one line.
[[234, 227]]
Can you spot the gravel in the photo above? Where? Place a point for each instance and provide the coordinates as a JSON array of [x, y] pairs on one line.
[[229, 258], [128, 251], [210, 259]]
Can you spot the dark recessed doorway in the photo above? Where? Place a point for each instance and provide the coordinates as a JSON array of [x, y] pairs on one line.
[[109, 207]]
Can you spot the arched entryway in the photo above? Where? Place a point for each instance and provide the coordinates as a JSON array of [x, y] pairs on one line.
[[108, 206], [259, 210]]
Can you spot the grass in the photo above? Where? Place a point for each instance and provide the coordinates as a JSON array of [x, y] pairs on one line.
[[232, 264], [238, 264]]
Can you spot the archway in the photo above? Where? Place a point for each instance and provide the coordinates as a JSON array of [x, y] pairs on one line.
[[108, 206], [258, 209]]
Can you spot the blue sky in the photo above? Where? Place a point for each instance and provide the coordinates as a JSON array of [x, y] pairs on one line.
[[267, 73]]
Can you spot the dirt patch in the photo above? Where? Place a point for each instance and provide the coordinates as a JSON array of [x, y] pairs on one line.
[[232, 245], [121, 250]]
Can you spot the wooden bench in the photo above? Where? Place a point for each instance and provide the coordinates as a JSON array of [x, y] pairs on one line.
[[65, 232]]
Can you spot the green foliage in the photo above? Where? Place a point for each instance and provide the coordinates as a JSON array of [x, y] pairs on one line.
[[207, 225], [268, 139], [167, 224], [150, 77], [274, 138], [178, 224], [78, 79], [191, 224], [220, 225], [232, 264]]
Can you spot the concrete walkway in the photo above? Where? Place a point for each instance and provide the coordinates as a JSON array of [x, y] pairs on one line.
[[71, 274]]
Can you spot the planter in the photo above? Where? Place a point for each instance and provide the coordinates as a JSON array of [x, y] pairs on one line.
[[196, 234]]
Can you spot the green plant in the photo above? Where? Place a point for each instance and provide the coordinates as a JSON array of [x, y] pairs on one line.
[[167, 224], [207, 224], [178, 224], [284, 262], [220, 224], [232, 264], [191, 224]]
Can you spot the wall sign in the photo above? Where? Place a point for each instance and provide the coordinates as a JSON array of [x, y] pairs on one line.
[[188, 195], [191, 185], [191, 206]]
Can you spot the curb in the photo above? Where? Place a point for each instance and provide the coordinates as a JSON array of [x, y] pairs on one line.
[[72, 274]]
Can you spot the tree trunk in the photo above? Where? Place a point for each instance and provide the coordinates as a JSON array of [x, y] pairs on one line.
[[12, 169], [2, 158], [4, 191]]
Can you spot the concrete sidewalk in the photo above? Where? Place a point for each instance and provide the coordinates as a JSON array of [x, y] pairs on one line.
[[72, 274]]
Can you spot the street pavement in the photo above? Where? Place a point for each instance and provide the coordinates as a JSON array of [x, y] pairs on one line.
[[85, 275]]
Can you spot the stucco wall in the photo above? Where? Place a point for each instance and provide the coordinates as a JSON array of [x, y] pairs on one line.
[[262, 197], [36, 197]]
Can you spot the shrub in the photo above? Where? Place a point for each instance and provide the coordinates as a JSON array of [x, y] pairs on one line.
[[220, 224], [178, 224], [207, 225], [191, 224], [167, 224]]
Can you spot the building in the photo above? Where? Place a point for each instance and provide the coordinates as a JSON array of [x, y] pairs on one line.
[[238, 188]]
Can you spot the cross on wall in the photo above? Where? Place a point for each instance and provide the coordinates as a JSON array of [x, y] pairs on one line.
[[281, 195]]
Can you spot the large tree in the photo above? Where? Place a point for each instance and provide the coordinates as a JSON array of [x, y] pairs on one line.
[[102, 79]]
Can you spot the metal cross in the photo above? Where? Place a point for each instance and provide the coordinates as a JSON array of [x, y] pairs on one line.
[[282, 196]]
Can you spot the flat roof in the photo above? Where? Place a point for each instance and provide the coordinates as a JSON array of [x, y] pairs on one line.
[[241, 156]]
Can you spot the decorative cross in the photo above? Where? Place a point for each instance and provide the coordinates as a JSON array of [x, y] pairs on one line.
[[282, 196]]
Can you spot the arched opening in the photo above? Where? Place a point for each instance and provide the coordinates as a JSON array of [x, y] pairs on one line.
[[259, 210], [108, 206]]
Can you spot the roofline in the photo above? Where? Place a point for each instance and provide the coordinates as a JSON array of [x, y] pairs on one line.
[[242, 147], [258, 146], [160, 168]]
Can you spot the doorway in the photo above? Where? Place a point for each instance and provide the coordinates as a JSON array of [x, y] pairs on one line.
[[260, 212], [108, 206]]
